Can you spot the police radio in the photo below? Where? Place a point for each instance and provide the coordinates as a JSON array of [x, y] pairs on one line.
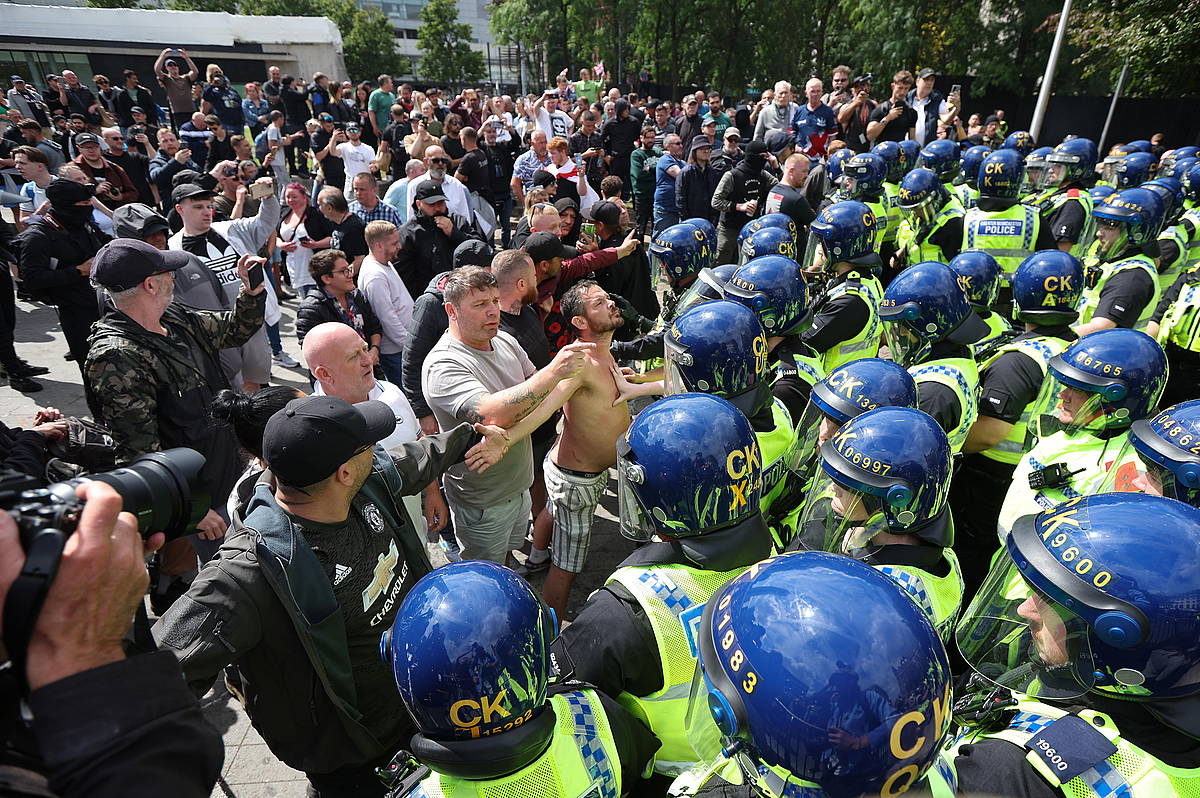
[[1054, 475]]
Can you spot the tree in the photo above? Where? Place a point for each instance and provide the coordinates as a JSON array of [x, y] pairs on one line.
[[446, 46], [112, 3], [1159, 39]]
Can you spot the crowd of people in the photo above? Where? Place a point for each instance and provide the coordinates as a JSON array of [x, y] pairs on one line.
[[902, 415]]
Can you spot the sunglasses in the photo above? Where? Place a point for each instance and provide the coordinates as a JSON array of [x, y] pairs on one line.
[[439, 160], [114, 138]]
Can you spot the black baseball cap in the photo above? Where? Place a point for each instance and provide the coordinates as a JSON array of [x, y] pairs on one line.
[[187, 191], [779, 140], [123, 263], [927, 72], [542, 178], [543, 246], [86, 138], [311, 437], [472, 252], [429, 191], [607, 213]]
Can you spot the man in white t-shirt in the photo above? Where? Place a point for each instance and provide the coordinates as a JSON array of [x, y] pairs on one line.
[[389, 298], [342, 364], [357, 156], [34, 168], [551, 119]]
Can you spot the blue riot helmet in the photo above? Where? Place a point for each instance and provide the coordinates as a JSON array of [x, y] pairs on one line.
[[1035, 165], [1161, 456], [683, 251], [1141, 145], [768, 241], [1191, 182], [893, 158], [774, 289], [810, 691], [978, 276], [1170, 191], [1135, 169], [910, 151], [780, 220], [1073, 161], [969, 166], [704, 226], [885, 471], [922, 194], [1019, 140], [1108, 167], [850, 390], [719, 347], [942, 157], [1104, 381], [1046, 288], [688, 465], [1001, 174], [1178, 168], [1097, 595], [1129, 219], [862, 176], [833, 169], [470, 652], [844, 232], [925, 304], [708, 285], [1100, 193]]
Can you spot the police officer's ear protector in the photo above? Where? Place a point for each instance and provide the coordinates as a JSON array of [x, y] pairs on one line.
[[724, 703], [901, 496], [1115, 622]]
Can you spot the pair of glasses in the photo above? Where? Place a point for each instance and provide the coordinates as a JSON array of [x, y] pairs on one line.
[[347, 272], [115, 138], [439, 160]]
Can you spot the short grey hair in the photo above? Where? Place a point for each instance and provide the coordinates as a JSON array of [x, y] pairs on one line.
[[121, 299], [464, 280], [413, 165]]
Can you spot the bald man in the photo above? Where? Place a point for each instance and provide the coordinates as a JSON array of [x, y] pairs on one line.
[[544, 219], [342, 364]]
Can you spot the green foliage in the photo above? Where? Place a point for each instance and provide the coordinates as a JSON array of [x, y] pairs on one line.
[[446, 54], [112, 3], [368, 43], [1160, 40]]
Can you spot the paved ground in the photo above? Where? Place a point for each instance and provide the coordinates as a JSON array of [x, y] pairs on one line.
[[250, 769]]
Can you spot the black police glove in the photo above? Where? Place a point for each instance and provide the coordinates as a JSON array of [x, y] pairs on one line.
[[632, 318]]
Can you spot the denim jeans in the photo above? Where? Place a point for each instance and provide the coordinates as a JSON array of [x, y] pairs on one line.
[[504, 207], [664, 218], [391, 365]]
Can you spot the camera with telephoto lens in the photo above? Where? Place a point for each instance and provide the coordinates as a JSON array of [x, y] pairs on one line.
[[162, 490]]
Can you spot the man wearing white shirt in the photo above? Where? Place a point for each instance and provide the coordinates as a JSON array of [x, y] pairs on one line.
[[552, 120], [437, 164], [357, 157], [384, 289], [342, 364], [930, 106]]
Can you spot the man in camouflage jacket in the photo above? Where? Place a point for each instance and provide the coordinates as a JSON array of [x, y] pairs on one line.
[[153, 368]]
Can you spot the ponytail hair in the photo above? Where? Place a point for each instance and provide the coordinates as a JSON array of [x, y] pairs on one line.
[[248, 414]]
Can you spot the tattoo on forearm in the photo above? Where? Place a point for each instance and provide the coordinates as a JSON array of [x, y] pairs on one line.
[[528, 398], [471, 411]]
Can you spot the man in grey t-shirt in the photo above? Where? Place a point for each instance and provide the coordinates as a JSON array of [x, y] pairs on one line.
[[477, 373]]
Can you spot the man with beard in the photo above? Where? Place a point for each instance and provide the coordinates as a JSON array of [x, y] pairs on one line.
[[430, 236], [437, 164], [576, 468], [56, 260]]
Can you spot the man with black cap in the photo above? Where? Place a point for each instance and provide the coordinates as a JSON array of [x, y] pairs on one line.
[[740, 197], [618, 138], [56, 259], [195, 284], [113, 186], [429, 238], [153, 368], [629, 277], [294, 607]]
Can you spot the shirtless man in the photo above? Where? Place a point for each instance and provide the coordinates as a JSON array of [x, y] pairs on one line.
[[576, 469]]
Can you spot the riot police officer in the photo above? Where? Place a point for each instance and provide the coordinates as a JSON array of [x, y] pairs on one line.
[[863, 180], [1084, 624], [1133, 170], [470, 654], [779, 221], [1172, 242], [720, 348], [805, 690], [1000, 224], [1100, 385], [979, 277], [896, 161], [1122, 281], [929, 327], [1019, 140], [966, 184], [1046, 289], [942, 157], [1163, 463], [1176, 325], [1064, 203], [767, 241], [689, 481], [1035, 169], [931, 227], [833, 171], [881, 495]]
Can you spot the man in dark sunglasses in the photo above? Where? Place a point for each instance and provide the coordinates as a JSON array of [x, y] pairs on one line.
[[135, 164]]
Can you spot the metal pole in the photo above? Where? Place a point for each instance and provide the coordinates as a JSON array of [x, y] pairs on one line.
[[1039, 113], [1112, 107]]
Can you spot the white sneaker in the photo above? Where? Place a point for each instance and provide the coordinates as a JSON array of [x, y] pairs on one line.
[[284, 359]]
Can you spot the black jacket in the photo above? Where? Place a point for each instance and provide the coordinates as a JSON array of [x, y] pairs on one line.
[[629, 277], [425, 250], [429, 323], [163, 167], [24, 450], [319, 307], [124, 104], [49, 255], [694, 189]]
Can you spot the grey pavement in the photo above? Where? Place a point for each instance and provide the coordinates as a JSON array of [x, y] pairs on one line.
[[250, 769]]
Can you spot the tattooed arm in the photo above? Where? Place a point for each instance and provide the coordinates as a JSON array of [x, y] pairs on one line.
[[506, 408]]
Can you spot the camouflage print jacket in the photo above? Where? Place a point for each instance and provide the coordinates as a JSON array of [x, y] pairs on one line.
[[154, 391]]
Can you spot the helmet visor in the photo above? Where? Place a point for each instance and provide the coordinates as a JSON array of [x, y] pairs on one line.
[[1019, 639], [813, 259], [705, 737], [1075, 411], [904, 346], [847, 186], [836, 518], [635, 524], [1108, 169], [923, 212], [673, 380], [658, 263], [814, 430], [1112, 238], [1053, 176], [1144, 467], [705, 287]]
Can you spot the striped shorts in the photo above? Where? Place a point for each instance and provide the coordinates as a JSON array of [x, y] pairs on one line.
[[571, 500]]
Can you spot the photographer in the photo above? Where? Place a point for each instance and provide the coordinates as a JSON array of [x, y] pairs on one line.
[[298, 599], [94, 733], [894, 119], [854, 115]]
